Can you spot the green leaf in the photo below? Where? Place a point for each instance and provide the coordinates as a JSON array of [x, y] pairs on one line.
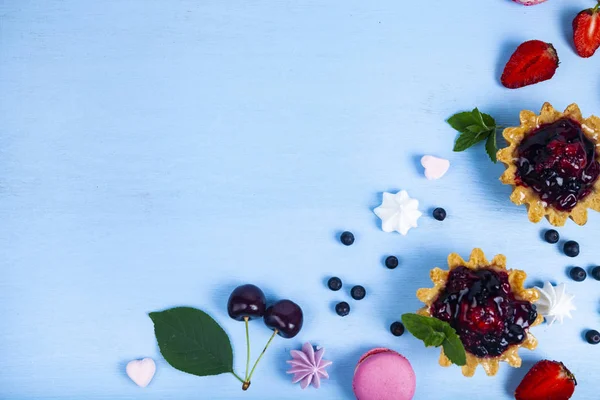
[[435, 332], [429, 330], [419, 326], [192, 341], [469, 139], [461, 121], [479, 118], [490, 146], [489, 121], [476, 128], [453, 347], [435, 339]]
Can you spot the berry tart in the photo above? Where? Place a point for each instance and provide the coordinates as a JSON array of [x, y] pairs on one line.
[[553, 163], [488, 307]]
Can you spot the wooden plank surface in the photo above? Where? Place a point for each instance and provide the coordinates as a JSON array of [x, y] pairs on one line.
[[158, 153]]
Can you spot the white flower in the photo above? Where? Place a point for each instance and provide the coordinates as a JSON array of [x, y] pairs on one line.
[[398, 212], [554, 303]]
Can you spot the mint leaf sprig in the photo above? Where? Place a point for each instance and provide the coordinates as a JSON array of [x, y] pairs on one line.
[[435, 333], [474, 127]]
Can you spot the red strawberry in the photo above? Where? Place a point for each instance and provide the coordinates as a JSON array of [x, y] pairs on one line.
[[586, 31], [533, 61], [547, 380]]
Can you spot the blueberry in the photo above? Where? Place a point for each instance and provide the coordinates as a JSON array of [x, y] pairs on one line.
[[391, 262], [347, 238], [493, 344], [515, 333], [567, 201], [342, 309], [358, 292], [571, 248], [532, 313], [334, 283], [480, 351], [548, 180], [397, 328], [573, 186], [592, 336], [577, 274], [524, 167], [439, 214], [551, 236], [596, 273]]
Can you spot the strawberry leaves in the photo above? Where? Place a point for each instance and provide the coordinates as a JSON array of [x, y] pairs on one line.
[[475, 127], [435, 333]]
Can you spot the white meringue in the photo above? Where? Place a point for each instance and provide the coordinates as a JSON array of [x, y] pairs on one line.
[[555, 303], [398, 212]]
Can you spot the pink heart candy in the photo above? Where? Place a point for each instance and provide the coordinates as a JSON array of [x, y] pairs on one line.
[[435, 167], [529, 2], [141, 371]]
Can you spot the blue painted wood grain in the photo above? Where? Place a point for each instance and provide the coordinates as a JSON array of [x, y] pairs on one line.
[[158, 153]]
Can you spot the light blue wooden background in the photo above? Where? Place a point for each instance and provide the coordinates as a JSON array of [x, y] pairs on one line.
[[158, 153]]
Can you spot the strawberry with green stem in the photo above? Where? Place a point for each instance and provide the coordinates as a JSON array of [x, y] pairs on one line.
[[586, 31]]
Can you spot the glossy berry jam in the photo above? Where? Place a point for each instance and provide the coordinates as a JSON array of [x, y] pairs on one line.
[[481, 307], [559, 163]]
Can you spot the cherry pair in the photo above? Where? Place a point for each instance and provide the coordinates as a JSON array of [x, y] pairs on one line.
[[285, 318]]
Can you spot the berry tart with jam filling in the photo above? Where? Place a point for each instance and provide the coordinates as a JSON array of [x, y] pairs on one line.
[[488, 307], [553, 164]]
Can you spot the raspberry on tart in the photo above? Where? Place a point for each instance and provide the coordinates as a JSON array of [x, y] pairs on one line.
[[553, 164], [488, 307]]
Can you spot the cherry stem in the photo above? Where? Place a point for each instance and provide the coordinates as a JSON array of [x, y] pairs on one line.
[[237, 377], [275, 332], [247, 348]]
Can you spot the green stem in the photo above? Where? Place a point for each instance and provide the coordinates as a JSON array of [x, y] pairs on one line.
[[261, 354], [247, 348], [237, 377]]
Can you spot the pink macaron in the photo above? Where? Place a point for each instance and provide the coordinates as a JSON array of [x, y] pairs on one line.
[[383, 374]]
